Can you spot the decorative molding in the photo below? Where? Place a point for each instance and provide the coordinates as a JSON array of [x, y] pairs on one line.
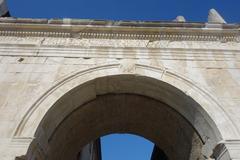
[[21, 141], [171, 36], [115, 43], [34, 34], [58, 84], [193, 51], [154, 36], [24, 142], [130, 69], [219, 151], [134, 30], [225, 149]]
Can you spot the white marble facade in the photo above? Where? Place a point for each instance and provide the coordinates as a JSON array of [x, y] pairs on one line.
[[42, 60]]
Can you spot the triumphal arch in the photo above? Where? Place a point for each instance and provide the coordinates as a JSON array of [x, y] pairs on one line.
[[66, 82]]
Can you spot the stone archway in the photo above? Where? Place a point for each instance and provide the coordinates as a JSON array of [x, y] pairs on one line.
[[197, 110], [122, 113]]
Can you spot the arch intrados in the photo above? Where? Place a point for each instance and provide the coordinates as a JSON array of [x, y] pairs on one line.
[[123, 113]]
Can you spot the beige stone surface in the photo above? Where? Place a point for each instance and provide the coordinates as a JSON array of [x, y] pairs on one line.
[[44, 67]]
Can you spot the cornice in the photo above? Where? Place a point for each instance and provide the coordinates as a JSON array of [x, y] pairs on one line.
[[91, 29]]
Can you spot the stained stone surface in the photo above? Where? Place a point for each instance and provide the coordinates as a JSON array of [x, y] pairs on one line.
[[51, 70]]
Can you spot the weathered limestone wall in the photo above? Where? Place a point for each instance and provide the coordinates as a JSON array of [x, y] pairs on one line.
[[30, 65]]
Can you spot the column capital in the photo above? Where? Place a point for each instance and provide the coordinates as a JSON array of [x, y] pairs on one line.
[[227, 150]]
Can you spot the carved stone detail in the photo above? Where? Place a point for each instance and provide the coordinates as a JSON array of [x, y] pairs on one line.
[[117, 43], [133, 36], [127, 66], [20, 40], [95, 42], [227, 149]]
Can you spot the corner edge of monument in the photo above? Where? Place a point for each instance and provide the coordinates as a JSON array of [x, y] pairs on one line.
[[4, 12]]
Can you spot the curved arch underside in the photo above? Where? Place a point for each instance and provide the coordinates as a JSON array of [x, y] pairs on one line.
[[123, 113]]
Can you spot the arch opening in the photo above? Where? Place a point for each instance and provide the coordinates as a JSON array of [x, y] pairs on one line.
[[121, 146], [183, 127], [128, 146], [122, 113]]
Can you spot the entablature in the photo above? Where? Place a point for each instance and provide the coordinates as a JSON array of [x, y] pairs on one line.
[[102, 29]]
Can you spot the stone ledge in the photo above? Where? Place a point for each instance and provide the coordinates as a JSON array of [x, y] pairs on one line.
[[102, 29]]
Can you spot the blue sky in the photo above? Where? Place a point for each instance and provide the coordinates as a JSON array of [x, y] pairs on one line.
[[127, 147], [193, 10]]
